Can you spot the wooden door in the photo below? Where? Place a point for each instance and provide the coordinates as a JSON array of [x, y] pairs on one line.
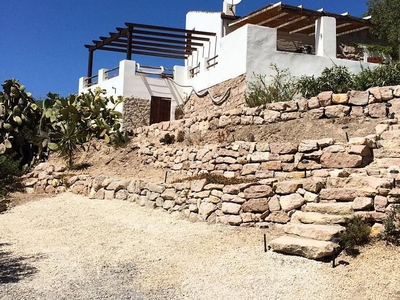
[[160, 109]]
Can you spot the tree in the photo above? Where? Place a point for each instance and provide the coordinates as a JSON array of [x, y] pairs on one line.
[[386, 18]]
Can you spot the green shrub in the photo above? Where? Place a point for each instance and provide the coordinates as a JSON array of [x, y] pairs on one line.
[[168, 139], [337, 79], [280, 88], [383, 75], [308, 86], [357, 233], [180, 137], [391, 233]]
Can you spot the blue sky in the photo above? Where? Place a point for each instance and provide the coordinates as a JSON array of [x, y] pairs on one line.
[[42, 41]]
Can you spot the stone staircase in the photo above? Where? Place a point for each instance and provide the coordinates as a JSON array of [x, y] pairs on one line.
[[312, 231]]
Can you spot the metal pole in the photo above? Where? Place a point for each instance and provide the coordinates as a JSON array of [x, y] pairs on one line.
[[265, 243]]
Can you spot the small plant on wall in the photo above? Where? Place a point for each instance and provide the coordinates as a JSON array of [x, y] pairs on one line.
[[281, 87]]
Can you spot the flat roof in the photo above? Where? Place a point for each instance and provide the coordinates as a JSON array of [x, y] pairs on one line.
[[296, 19]]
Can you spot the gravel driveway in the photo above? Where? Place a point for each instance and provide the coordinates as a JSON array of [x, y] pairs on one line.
[[70, 247]]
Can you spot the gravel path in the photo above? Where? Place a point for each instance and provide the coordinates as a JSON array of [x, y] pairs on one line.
[[70, 247]]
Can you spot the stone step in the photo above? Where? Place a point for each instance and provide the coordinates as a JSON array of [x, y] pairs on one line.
[[318, 218], [358, 182], [335, 208], [309, 248], [316, 232], [346, 194]]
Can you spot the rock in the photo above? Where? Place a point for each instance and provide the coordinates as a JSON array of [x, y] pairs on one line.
[[340, 160], [274, 204], [121, 195], [386, 93], [317, 113], [271, 116], [169, 194], [231, 189], [345, 194], [337, 111], [325, 98], [206, 209], [198, 185], [376, 230], [168, 204], [99, 194], [256, 205], [135, 187], [283, 148], [371, 216], [308, 145], [97, 182], [377, 110], [334, 208], [109, 194], [340, 98], [250, 169], [318, 218], [291, 202], [358, 98], [155, 188], [363, 203], [287, 187], [308, 248], [31, 182], [230, 208], [271, 165], [233, 220], [317, 232], [258, 191], [278, 217], [313, 103], [380, 203], [311, 197], [118, 185], [259, 156]]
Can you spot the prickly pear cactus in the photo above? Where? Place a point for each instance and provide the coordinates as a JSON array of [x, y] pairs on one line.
[[19, 119]]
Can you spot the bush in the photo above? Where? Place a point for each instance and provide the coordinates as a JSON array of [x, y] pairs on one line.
[[383, 75], [180, 137], [308, 86], [168, 139], [391, 233], [337, 79], [9, 167], [357, 233], [280, 88]]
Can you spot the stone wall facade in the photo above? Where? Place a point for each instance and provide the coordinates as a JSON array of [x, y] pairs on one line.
[[378, 102], [200, 107], [136, 113], [309, 182]]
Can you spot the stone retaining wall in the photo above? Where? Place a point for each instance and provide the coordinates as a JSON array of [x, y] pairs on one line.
[[376, 102], [136, 113], [288, 179], [271, 200]]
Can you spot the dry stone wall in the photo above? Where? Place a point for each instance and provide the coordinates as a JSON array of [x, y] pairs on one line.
[[311, 182], [136, 113], [383, 102]]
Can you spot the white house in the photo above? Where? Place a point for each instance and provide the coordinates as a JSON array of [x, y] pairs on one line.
[[219, 46]]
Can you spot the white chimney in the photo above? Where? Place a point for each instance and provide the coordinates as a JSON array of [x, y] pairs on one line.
[[229, 9]]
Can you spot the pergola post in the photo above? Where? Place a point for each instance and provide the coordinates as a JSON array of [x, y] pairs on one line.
[[325, 37], [90, 66], [129, 46]]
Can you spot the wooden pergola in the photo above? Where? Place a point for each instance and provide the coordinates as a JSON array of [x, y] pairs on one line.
[[150, 40], [296, 19]]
